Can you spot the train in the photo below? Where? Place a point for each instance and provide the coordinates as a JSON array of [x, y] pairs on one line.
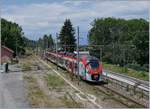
[[90, 67]]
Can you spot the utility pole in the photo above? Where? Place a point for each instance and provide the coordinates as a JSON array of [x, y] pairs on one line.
[[34, 42], [101, 50], [0, 46], [16, 49], [57, 48], [36, 46], [78, 51]]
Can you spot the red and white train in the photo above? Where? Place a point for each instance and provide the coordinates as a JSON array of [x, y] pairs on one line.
[[90, 68]]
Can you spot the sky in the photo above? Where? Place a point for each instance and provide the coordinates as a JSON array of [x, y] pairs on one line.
[[39, 17]]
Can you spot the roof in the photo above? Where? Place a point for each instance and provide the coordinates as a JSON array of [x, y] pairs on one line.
[[82, 52], [7, 49]]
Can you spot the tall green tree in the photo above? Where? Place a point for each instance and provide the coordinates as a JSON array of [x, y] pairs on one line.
[[67, 36], [12, 36], [50, 41], [141, 41], [41, 43], [124, 41], [46, 42], [30, 43]]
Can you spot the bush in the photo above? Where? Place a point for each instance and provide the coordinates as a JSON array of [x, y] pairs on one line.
[[137, 67], [124, 69]]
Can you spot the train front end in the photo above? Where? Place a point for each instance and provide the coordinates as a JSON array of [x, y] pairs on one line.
[[93, 69]]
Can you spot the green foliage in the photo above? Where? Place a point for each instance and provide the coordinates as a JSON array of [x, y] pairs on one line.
[[130, 72], [137, 67], [12, 36], [67, 37], [124, 41], [54, 81], [50, 41], [46, 42], [30, 44]]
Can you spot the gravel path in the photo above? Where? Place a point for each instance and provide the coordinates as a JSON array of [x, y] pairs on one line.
[[12, 91]]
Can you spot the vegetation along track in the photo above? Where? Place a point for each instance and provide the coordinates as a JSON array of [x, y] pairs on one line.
[[89, 97], [114, 94]]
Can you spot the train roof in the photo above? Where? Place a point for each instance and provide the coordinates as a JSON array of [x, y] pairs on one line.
[[82, 52], [81, 55]]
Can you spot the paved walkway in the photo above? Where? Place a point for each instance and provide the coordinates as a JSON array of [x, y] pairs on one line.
[[12, 90]]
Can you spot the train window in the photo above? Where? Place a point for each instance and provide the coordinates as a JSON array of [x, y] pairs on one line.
[[94, 64]]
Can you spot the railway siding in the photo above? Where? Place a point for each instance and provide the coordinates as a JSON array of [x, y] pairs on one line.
[[133, 89], [122, 85]]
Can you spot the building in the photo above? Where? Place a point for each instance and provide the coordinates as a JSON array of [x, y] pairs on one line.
[[6, 54]]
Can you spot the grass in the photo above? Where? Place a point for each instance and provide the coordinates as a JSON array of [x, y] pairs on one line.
[[29, 51], [29, 79], [69, 102], [127, 71], [36, 96], [26, 66], [54, 81], [28, 63]]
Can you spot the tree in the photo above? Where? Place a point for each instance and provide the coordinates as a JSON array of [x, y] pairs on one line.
[[12, 36], [142, 47], [66, 36], [50, 41], [30, 43], [41, 43], [46, 42], [125, 41]]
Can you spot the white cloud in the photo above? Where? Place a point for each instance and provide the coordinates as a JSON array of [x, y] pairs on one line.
[[49, 17]]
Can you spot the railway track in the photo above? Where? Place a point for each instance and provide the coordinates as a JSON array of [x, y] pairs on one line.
[[130, 88], [127, 80], [89, 97], [144, 85]]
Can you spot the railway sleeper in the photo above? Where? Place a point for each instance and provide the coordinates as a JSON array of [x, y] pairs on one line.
[[133, 98]]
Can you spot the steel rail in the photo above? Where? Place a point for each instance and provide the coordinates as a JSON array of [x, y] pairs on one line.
[[144, 85]]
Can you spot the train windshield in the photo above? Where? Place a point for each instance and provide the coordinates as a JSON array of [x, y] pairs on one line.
[[94, 64]]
